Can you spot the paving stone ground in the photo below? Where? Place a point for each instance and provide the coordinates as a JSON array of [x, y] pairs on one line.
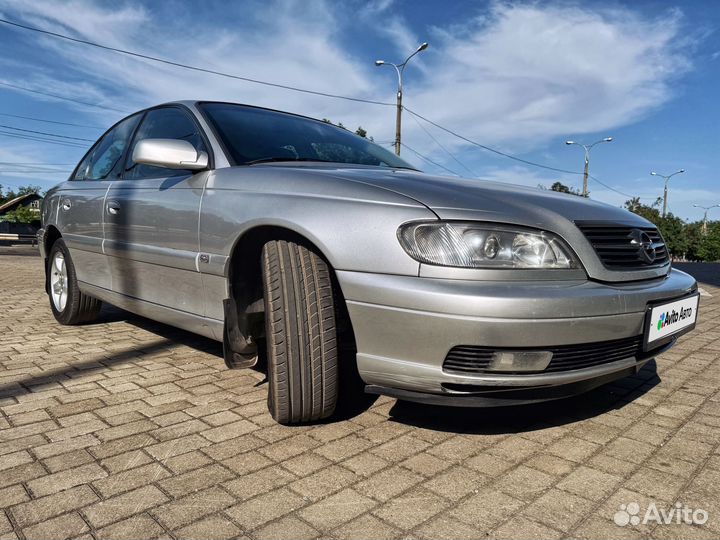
[[131, 429]]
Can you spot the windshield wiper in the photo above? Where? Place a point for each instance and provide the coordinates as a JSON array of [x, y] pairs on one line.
[[279, 159]]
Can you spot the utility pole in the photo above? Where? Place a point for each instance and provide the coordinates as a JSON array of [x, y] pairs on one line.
[[400, 68], [665, 191], [706, 208], [587, 148]]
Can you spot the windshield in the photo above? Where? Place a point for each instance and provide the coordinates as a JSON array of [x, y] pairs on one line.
[[253, 135]]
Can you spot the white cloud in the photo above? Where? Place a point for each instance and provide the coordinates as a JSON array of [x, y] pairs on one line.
[[86, 20], [514, 75], [373, 8], [532, 72]]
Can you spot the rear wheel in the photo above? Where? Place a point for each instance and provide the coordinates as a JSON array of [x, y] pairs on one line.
[[68, 304], [300, 332]]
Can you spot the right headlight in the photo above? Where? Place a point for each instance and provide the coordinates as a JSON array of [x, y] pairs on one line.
[[484, 245]]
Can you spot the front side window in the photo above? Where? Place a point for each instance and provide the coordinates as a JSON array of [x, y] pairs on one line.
[[164, 123], [253, 135], [104, 161]]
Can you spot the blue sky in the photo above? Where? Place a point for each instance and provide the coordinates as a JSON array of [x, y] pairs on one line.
[[519, 76]]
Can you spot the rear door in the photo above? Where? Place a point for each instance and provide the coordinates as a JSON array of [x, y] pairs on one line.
[[151, 220], [81, 203]]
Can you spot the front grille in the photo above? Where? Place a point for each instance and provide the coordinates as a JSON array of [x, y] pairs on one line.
[[614, 245], [472, 359]]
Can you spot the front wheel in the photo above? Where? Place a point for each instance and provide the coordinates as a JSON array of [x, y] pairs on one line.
[[300, 332], [69, 305]]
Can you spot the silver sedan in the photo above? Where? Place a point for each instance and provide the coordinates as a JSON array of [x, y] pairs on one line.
[[293, 240]]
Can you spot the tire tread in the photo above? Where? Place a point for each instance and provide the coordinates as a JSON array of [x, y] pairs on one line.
[[301, 334]]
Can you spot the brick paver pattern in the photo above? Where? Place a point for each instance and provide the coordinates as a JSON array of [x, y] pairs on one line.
[[127, 428]]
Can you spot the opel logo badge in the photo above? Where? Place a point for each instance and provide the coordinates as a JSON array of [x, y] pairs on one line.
[[646, 249]]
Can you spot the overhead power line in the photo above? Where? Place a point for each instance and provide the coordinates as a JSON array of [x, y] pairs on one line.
[[56, 96], [13, 135], [610, 188], [9, 166], [190, 67], [271, 84], [33, 164], [50, 121], [510, 156], [46, 133], [617, 190], [490, 149], [441, 146], [56, 171], [418, 154], [30, 169], [5, 183]]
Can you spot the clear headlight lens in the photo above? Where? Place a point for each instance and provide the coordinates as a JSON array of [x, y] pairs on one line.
[[480, 245]]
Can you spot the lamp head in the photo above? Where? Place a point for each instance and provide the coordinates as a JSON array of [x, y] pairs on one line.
[[607, 139], [422, 47], [654, 173], [682, 170], [569, 142], [379, 62]]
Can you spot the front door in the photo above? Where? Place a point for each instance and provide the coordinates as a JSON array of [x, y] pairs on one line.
[[151, 221], [81, 201]]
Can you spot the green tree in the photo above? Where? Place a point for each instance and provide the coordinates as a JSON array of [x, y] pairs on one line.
[[24, 190], [650, 212], [359, 131], [673, 229], [709, 249], [11, 194], [562, 188], [694, 235], [22, 214]]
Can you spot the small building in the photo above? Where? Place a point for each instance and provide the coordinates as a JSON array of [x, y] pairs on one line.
[[12, 230]]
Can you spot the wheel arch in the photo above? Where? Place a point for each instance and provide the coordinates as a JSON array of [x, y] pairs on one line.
[[243, 270], [244, 273], [52, 235]]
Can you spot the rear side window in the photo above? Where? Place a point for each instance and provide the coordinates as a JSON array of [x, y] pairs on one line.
[[164, 123], [104, 161]]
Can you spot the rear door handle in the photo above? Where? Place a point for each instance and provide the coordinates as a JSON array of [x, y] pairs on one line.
[[113, 207], [66, 204]]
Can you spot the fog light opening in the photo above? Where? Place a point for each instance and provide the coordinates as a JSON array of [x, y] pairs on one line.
[[520, 361]]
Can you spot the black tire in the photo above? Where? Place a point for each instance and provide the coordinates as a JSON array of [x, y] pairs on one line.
[[300, 331], [79, 307]]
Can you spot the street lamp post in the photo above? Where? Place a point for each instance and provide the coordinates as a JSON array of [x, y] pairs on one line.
[[400, 68], [587, 148], [666, 177], [706, 208]]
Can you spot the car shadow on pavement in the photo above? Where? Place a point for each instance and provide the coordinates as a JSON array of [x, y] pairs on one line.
[[112, 314], [524, 418], [353, 400], [82, 368]]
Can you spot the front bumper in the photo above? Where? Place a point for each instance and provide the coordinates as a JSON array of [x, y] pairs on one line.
[[405, 326]]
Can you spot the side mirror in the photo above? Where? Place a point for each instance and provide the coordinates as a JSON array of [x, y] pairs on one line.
[[169, 153]]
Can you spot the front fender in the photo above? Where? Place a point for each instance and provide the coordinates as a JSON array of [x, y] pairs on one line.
[[352, 224]]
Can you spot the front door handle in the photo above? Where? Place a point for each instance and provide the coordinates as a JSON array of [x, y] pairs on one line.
[[113, 207], [66, 204]]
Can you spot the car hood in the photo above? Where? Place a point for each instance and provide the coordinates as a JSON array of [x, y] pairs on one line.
[[463, 198], [480, 200]]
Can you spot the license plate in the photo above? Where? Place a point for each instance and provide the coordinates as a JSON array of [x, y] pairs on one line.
[[670, 319]]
